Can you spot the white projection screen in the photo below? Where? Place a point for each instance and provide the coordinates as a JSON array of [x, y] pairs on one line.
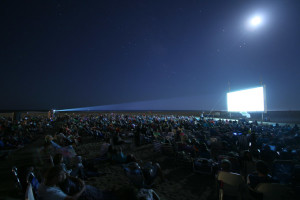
[[246, 100]]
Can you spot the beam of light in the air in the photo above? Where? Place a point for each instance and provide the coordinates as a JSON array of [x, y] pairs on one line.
[[204, 102]]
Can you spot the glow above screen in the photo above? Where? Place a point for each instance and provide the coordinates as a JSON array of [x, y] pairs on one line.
[[246, 100]]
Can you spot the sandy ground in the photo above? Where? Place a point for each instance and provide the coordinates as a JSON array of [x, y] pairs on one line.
[[181, 183]]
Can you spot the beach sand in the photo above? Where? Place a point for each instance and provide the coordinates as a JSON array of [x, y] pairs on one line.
[[181, 182]]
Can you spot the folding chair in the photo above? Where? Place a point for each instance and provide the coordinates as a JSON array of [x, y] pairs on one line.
[[33, 181], [29, 193], [17, 180], [272, 191], [230, 184]]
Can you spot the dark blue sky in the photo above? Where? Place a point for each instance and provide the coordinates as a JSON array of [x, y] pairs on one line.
[[68, 54]]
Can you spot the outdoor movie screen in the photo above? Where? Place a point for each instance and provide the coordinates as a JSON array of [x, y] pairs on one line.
[[246, 100]]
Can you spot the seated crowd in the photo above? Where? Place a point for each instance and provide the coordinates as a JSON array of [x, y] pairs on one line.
[[16, 134], [255, 152]]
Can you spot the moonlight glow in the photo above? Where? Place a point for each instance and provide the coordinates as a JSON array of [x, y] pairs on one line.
[[255, 21]]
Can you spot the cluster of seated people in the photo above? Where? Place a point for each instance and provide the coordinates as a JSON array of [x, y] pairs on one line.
[[62, 173], [253, 153], [60, 185], [16, 134]]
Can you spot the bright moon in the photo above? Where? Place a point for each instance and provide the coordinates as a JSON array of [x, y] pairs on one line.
[[255, 21]]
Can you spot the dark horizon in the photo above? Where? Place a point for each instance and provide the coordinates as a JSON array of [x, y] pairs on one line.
[[75, 111], [286, 117]]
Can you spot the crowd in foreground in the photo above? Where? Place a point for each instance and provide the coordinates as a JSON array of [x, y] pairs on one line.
[[15, 134], [257, 153]]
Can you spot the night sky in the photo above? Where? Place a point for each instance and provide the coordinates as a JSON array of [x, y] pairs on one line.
[[166, 54]]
